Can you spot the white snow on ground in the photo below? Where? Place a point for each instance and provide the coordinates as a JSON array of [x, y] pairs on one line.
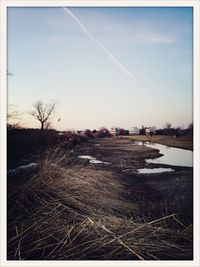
[[155, 170], [24, 168], [93, 160]]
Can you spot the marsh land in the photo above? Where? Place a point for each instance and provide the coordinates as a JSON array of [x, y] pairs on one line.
[[90, 202]]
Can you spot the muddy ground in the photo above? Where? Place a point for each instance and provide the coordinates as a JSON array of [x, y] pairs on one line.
[[156, 194]]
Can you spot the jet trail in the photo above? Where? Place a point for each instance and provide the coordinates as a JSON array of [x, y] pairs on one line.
[[93, 39]]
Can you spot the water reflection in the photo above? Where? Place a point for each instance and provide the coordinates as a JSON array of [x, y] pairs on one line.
[[171, 155]]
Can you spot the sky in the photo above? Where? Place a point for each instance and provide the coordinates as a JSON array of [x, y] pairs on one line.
[[104, 66]]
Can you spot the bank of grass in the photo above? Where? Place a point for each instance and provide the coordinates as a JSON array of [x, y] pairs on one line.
[[78, 213], [25, 144]]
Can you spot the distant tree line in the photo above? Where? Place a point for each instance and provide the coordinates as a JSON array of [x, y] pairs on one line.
[[166, 130], [43, 112]]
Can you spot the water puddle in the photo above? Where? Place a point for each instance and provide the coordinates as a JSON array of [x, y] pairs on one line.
[[140, 143], [171, 155], [154, 170], [93, 160]]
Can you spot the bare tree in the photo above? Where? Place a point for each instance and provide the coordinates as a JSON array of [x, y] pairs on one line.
[[12, 117], [42, 112]]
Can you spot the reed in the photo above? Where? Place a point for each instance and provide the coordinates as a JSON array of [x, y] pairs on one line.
[[66, 212]]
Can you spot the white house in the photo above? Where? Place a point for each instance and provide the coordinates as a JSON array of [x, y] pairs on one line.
[[115, 130], [112, 131], [150, 130], [134, 131]]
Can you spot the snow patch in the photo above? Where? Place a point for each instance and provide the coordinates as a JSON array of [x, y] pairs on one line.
[[24, 168], [154, 170], [93, 160]]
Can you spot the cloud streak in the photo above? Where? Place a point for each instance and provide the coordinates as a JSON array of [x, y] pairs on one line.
[[156, 38], [100, 45]]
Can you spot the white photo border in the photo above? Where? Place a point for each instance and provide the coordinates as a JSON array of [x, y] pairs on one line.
[[4, 4]]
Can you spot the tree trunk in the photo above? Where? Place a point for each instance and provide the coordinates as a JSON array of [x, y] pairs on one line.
[[42, 126]]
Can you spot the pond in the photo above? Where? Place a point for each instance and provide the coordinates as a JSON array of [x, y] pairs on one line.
[[171, 155]]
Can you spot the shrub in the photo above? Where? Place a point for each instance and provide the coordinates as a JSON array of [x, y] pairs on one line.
[[102, 133], [89, 133], [23, 143]]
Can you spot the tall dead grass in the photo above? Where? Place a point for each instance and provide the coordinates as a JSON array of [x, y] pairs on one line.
[[78, 213]]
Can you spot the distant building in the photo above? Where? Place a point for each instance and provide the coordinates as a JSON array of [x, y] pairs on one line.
[[147, 131], [171, 131], [124, 132], [150, 131], [134, 131], [119, 131], [113, 131], [160, 132]]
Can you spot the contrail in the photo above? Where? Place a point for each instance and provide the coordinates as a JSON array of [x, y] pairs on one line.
[[108, 53]]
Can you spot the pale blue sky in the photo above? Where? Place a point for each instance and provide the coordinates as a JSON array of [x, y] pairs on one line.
[[52, 58]]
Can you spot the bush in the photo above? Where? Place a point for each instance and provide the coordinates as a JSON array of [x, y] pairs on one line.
[[89, 133], [23, 143], [102, 133]]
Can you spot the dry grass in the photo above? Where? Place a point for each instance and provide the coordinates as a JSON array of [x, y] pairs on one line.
[[79, 213]]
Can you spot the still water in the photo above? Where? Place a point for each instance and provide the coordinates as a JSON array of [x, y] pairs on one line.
[[171, 155]]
